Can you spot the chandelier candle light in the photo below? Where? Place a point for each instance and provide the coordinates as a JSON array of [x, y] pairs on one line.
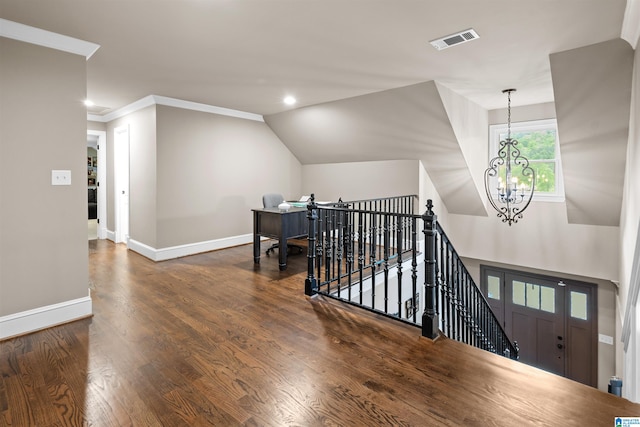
[[512, 197]]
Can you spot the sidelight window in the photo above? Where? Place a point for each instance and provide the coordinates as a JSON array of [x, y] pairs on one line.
[[578, 305], [493, 287]]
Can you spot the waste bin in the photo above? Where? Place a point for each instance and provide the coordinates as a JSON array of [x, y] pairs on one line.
[[615, 386]]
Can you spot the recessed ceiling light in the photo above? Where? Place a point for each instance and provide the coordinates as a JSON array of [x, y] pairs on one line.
[[289, 100], [89, 103]]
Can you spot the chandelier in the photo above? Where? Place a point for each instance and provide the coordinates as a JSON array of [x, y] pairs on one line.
[[510, 174]]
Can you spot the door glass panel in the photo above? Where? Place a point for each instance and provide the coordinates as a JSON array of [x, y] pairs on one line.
[[578, 305], [533, 296], [548, 299], [519, 293], [493, 287]]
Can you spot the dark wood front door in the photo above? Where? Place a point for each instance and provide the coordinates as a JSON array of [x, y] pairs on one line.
[[553, 320], [534, 317]]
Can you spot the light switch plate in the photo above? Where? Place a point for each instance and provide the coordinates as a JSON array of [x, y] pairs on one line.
[[60, 177], [605, 339]]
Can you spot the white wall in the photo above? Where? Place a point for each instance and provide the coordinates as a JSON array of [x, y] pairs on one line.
[[628, 306], [470, 124], [543, 239]]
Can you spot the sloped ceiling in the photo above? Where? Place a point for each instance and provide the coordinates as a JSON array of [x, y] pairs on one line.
[[592, 87], [248, 54], [345, 60], [397, 124]]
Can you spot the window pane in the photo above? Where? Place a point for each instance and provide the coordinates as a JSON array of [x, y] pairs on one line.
[[533, 296], [519, 293], [545, 176], [536, 144], [578, 305], [537, 141], [548, 299], [493, 287]]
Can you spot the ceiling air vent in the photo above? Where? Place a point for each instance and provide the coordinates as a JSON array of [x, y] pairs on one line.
[[454, 39]]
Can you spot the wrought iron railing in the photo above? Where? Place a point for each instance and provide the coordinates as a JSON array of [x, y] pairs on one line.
[[350, 245], [380, 255], [464, 312]]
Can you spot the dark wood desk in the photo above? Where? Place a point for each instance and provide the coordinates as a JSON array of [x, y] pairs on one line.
[[270, 222]]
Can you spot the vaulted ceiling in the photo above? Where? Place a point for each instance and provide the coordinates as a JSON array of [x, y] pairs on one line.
[[248, 54]]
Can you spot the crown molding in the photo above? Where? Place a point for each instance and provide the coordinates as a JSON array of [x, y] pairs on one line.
[[145, 102], [631, 23], [172, 102], [25, 33]]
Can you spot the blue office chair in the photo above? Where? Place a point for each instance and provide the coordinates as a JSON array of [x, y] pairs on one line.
[[272, 200]]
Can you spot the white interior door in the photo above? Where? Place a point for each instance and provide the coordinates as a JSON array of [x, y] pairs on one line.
[[121, 181]]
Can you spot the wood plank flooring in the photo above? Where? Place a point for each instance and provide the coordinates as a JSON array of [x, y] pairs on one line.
[[213, 340]]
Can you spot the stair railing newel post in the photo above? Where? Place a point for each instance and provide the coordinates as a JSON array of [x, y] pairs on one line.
[[311, 283], [430, 326]]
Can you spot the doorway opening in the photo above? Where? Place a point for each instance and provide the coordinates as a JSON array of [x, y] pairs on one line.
[[553, 320], [96, 184]]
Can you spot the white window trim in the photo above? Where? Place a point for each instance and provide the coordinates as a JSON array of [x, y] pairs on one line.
[[494, 140]]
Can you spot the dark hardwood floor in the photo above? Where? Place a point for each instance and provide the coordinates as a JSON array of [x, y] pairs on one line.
[[213, 340]]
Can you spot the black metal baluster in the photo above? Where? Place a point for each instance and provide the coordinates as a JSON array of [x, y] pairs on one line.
[[414, 260], [348, 244], [458, 303], [386, 242], [372, 253], [320, 243], [361, 249], [399, 275], [438, 281], [311, 284], [449, 300], [339, 248], [327, 247]]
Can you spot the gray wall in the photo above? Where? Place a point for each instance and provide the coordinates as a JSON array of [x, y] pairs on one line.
[[43, 228], [195, 176], [212, 170], [361, 180]]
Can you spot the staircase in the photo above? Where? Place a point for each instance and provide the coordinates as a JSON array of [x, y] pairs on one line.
[[380, 255]]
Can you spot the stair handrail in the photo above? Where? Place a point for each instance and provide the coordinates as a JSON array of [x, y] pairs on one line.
[[337, 235]]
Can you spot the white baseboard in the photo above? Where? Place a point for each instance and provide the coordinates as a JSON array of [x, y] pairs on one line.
[[188, 249], [44, 317], [111, 235]]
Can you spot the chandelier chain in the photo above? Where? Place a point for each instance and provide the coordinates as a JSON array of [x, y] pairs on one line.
[[509, 114]]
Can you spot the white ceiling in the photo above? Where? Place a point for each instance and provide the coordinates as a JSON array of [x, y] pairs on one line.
[[248, 54]]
